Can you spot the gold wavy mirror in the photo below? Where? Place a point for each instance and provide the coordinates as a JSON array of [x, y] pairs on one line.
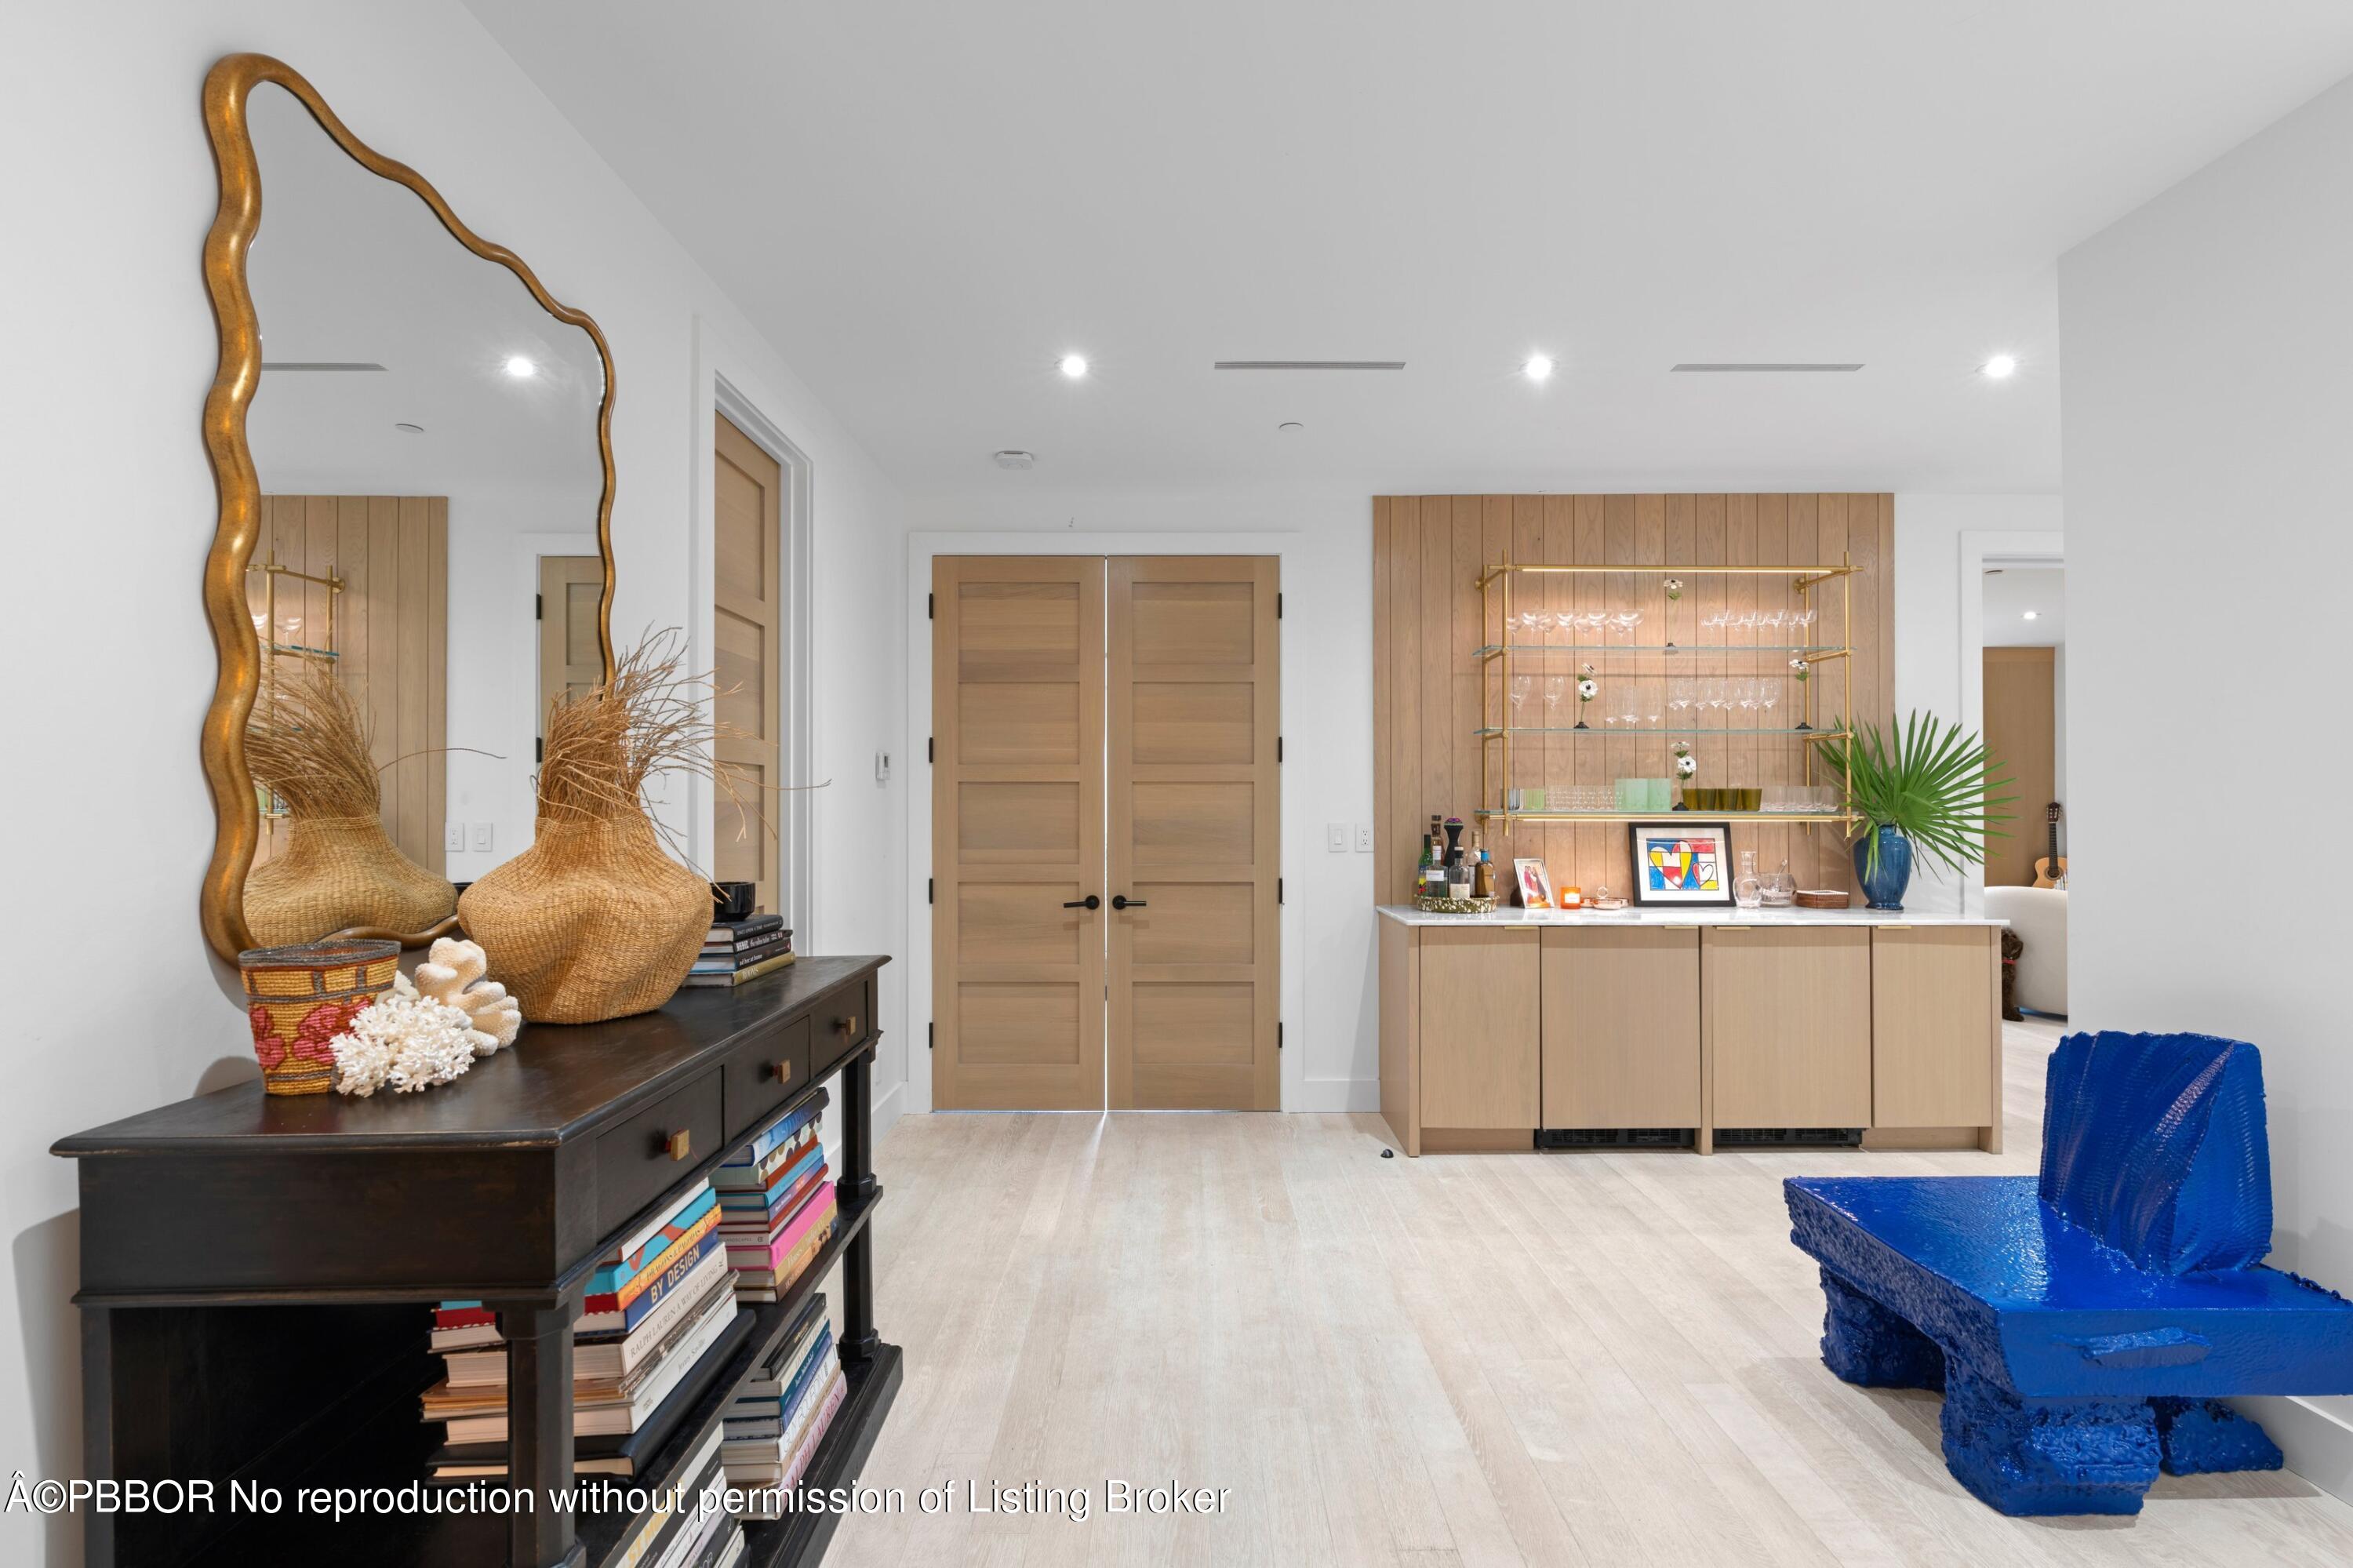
[[412, 443]]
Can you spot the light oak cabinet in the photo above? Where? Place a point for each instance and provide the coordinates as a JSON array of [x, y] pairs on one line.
[[1935, 1026], [1786, 1016], [1621, 1027], [1480, 1028]]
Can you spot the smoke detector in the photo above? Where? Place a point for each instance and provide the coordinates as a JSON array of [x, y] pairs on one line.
[[1009, 458]]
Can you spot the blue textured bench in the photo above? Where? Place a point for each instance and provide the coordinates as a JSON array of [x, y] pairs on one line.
[[2084, 1326]]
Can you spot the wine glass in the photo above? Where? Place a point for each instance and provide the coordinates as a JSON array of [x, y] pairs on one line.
[[1556, 688], [1521, 686]]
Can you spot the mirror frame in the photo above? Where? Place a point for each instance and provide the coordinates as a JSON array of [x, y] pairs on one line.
[[237, 818]]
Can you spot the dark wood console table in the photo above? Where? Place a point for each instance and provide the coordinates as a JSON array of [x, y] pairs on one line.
[[252, 1270]]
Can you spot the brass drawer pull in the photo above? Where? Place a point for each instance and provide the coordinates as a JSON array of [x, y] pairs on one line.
[[780, 1071], [679, 1144], [847, 1025]]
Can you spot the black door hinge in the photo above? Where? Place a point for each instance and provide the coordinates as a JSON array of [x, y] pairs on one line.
[[1278, 1035], [539, 607], [539, 749], [931, 606], [931, 748], [1278, 890], [1278, 749], [931, 889], [1277, 606], [931, 1036]]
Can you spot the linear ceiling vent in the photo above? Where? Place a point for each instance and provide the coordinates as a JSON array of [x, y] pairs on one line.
[[318, 364], [1309, 364], [1761, 365]]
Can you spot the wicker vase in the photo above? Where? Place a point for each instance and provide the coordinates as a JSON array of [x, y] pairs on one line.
[[338, 872], [298, 999], [593, 921]]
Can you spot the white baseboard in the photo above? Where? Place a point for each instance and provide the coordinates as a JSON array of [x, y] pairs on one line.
[[2319, 1443], [888, 1105], [1328, 1095]]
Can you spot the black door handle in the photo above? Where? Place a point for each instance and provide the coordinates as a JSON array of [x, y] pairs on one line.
[[1122, 901], [1089, 901]]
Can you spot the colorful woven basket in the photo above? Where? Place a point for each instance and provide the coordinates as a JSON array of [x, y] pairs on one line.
[[299, 999]]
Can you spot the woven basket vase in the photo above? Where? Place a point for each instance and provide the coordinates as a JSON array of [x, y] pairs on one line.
[[593, 921], [338, 872], [298, 999]]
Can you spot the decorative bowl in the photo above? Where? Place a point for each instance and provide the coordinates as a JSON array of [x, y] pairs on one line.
[[300, 997]]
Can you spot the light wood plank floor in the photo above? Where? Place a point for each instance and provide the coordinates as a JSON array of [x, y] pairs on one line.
[[1562, 1358]]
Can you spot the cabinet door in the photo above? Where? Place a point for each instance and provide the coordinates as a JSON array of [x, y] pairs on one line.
[[1788, 1019], [1935, 1022], [1479, 1016], [1621, 1027]]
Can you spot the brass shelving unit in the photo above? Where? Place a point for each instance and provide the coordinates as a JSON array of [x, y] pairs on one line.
[[273, 811], [1803, 580]]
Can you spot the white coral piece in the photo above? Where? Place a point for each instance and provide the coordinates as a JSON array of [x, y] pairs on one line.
[[404, 1041], [453, 975]]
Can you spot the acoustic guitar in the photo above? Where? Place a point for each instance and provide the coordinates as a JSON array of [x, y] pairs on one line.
[[2050, 870]]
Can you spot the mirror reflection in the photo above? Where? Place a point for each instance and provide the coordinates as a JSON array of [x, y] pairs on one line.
[[427, 577]]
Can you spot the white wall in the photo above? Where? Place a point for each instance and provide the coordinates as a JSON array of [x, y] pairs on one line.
[[110, 512], [1939, 541], [1330, 1013], [2207, 404]]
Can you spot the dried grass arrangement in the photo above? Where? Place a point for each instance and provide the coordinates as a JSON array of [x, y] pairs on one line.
[[307, 743], [595, 920]]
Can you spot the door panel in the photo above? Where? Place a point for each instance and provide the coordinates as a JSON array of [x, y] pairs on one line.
[[747, 621], [1017, 832], [1192, 707]]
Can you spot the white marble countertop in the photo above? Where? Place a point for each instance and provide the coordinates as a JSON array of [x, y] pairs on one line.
[[1407, 914]]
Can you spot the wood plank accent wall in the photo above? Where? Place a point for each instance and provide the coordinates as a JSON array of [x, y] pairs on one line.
[[391, 638], [1428, 551]]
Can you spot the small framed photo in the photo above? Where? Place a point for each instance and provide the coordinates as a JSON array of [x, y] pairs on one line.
[[1678, 865], [1535, 887]]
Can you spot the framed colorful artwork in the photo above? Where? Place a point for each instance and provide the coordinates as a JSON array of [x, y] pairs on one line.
[[1678, 865], [1535, 887]]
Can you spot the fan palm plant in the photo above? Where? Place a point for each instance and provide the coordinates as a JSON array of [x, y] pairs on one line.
[[1936, 787]]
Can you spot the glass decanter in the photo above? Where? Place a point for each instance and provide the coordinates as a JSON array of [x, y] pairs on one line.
[[1748, 890]]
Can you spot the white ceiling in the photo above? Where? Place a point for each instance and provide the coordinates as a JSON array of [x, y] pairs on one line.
[[923, 206], [2012, 592]]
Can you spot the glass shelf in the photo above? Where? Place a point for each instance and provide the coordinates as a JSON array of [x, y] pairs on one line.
[[1648, 729], [1801, 818], [1813, 652]]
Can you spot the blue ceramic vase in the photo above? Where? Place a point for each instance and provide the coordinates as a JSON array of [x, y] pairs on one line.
[[1884, 890]]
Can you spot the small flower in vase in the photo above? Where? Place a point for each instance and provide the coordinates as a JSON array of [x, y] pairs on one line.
[[1675, 588], [1686, 764], [1587, 688], [1799, 669]]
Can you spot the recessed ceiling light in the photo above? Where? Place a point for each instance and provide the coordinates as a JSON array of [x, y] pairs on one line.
[[2001, 367], [520, 367], [406, 429], [2033, 615], [1290, 425], [1074, 365], [1538, 367], [1011, 457]]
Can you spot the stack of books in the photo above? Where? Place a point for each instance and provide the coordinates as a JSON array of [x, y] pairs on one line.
[[679, 1532], [781, 1411], [776, 1207], [658, 1306], [738, 951]]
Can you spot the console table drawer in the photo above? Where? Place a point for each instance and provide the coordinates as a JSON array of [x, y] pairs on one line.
[[647, 1154], [764, 1073], [840, 1027]]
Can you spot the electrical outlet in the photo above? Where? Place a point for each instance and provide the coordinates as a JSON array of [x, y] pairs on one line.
[[1335, 837], [453, 836], [481, 838], [1364, 838]]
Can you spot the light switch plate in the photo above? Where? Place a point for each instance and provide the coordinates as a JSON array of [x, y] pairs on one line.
[[453, 836], [1364, 838], [1335, 837], [882, 767], [481, 837]]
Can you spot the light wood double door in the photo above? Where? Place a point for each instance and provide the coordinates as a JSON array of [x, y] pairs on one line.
[[1104, 833]]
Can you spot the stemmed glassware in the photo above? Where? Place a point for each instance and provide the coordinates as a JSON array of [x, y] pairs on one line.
[[1521, 686], [1556, 687]]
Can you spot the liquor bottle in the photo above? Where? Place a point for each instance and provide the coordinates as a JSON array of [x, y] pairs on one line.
[[1428, 862], [1482, 875]]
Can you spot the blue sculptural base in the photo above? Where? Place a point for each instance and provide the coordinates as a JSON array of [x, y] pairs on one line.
[[2038, 1456]]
